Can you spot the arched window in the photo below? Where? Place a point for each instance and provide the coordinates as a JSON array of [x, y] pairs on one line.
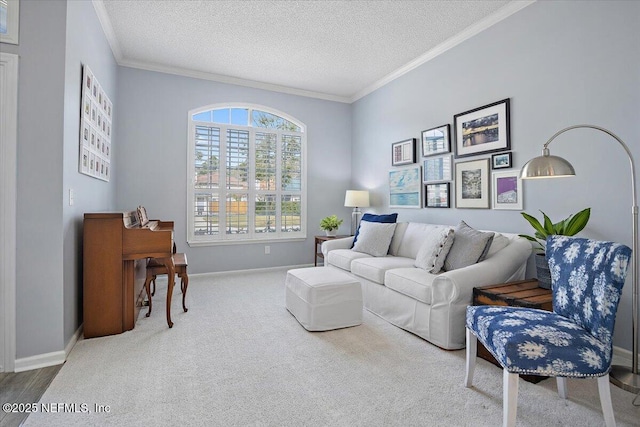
[[247, 175]]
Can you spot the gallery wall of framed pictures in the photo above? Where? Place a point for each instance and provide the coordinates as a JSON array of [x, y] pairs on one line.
[[469, 164], [96, 120]]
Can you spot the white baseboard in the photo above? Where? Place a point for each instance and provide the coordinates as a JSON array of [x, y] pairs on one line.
[[621, 356], [40, 361], [48, 359], [253, 270]]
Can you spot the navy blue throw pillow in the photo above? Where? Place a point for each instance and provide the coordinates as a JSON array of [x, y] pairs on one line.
[[387, 219]]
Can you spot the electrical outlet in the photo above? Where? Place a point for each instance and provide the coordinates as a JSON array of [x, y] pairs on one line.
[[267, 250]]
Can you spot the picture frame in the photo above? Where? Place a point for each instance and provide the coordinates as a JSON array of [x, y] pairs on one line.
[[403, 152], [501, 160], [438, 195], [405, 187], [10, 23], [482, 130], [507, 190], [95, 128], [472, 184], [436, 141], [437, 168]]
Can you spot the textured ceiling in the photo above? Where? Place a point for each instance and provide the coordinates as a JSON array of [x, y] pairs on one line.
[[329, 49]]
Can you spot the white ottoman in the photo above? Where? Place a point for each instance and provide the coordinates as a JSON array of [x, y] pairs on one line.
[[323, 298]]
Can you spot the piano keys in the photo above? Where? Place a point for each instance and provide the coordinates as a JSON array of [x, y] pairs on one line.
[[115, 251]]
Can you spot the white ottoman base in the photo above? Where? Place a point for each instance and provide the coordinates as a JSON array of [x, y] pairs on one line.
[[323, 298]]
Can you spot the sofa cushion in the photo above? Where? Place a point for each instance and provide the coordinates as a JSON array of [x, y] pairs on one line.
[[469, 247], [374, 238], [412, 282], [434, 250], [385, 218], [342, 258], [500, 242], [374, 268], [396, 241], [414, 237]]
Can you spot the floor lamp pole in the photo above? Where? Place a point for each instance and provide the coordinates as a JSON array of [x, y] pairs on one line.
[[548, 166]]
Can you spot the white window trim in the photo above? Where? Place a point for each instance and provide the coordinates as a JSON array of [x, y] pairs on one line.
[[251, 238]]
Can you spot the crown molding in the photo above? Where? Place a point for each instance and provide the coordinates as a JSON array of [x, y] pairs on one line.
[[107, 29], [498, 16], [473, 30], [231, 80]]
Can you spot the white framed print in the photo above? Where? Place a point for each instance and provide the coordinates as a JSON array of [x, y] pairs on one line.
[[10, 21], [472, 184], [405, 187], [437, 168], [95, 128], [507, 190]]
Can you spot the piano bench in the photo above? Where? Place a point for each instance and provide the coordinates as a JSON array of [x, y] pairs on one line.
[[156, 268]]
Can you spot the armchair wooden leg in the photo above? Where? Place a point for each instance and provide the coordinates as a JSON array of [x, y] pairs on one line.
[[509, 398], [605, 400], [562, 386], [472, 347]]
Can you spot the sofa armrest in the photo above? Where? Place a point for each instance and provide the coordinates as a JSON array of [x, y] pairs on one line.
[[452, 291], [333, 244], [509, 264]]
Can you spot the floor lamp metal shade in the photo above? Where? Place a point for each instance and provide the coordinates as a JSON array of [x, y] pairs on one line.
[[548, 166], [356, 199]]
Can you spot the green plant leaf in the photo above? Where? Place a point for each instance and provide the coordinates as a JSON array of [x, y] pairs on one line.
[[548, 226], [534, 223], [577, 222]]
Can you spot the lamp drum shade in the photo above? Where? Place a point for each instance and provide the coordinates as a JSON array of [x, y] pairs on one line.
[[356, 199]]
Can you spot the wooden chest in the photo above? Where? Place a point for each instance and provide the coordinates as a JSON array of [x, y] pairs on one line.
[[524, 293]]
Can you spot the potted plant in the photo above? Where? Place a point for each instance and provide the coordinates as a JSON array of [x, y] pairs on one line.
[[330, 224], [569, 226]]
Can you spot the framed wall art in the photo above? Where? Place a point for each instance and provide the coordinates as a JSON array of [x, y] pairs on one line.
[[501, 160], [435, 141], [96, 117], [482, 130], [472, 184], [507, 190], [403, 152], [9, 21], [437, 195], [405, 187], [437, 168]]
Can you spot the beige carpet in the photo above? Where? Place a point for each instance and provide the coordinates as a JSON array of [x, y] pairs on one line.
[[239, 358]]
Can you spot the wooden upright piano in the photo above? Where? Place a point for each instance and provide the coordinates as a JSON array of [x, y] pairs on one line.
[[116, 248]]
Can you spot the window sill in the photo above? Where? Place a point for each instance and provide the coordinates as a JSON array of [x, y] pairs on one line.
[[204, 243]]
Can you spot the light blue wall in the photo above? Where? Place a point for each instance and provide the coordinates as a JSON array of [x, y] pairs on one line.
[[55, 38], [152, 159], [560, 63], [85, 44], [39, 258]]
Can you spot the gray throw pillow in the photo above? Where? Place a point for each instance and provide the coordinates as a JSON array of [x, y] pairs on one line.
[[374, 238], [470, 246]]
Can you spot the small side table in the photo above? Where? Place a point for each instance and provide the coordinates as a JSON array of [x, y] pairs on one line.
[[524, 293], [318, 246]]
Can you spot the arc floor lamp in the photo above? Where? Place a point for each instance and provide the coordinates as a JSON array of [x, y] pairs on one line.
[[548, 166]]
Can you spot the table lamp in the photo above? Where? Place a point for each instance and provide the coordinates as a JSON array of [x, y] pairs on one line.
[[548, 166], [356, 199]]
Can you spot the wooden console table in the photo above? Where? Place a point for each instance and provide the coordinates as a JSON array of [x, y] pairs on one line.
[[524, 293]]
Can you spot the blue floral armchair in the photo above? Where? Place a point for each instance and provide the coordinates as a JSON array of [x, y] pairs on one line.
[[575, 340]]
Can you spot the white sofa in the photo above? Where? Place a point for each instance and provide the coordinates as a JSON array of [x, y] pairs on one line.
[[431, 306]]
